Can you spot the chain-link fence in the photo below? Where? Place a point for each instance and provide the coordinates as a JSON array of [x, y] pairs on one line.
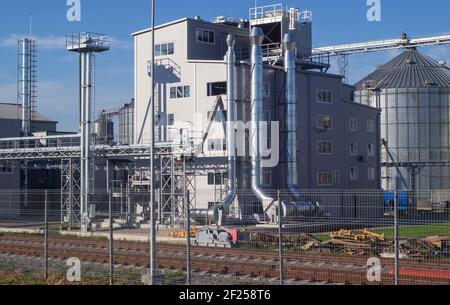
[[357, 237]]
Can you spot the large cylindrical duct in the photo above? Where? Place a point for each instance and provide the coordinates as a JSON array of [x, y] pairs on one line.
[[298, 207], [256, 39], [231, 145], [291, 113]]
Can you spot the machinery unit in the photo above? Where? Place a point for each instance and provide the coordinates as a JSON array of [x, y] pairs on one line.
[[214, 238]]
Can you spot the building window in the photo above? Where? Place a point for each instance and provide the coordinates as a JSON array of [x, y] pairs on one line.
[[325, 179], [217, 178], [217, 88], [324, 122], [267, 178], [164, 49], [354, 150], [217, 145], [170, 119], [354, 175], [205, 36], [180, 92], [6, 167], [370, 150], [353, 124], [324, 96], [324, 148], [371, 126], [266, 90], [371, 173]]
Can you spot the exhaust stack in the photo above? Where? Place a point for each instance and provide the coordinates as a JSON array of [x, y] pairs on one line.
[[256, 39], [232, 115], [298, 207]]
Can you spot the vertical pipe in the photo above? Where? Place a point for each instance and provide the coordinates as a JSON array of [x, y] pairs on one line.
[[231, 105], [46, 235], [280, 239], [111, 242], [256, 38], [83, 87], [153, 266], [188, 230], [26, 88], [291, 113], [396, 241]]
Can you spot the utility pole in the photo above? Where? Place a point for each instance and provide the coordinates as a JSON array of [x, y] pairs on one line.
[[153, 266]]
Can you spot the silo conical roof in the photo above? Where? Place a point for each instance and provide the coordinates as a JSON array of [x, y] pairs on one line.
[[411, 69]]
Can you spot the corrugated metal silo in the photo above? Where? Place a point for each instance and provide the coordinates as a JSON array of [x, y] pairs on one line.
[[414, 97]]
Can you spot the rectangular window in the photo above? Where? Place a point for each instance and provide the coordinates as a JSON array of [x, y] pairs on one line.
[[371, 173], [164, 49], [370, 150], [6, 167], [353, 124], [324, 122], [217, 88], [267, 178], [354, 175], [170, 119], [217, 178], [325, 179], [180, 92], [371, 126], [205, 36], [354, 150], [266, 90], [324, 148], [324, 96]]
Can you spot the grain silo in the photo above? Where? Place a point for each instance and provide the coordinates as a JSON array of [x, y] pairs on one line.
[[413, 92]]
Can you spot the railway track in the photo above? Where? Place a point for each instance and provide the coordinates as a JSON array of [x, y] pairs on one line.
[[242, 262]]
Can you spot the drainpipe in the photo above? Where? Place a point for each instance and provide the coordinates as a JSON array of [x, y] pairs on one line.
[[256, 38]]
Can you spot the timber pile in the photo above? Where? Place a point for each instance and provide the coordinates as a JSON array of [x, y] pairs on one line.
[[357, 242], [430, 247]]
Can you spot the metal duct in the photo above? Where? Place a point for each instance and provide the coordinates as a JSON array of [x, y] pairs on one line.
[[256, 39], [296, 208], [291, 113], [232, 115]]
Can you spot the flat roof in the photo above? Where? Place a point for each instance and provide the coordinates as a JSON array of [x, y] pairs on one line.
[[184, 20]]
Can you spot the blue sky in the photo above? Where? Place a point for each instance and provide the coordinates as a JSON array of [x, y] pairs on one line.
[[334, 22]]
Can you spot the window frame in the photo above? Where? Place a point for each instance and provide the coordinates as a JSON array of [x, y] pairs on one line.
[[203, 30], [350, 125], [371, 126], [209, 88], [6, 167], [324, 153], [179, 92], [327, 92], [354, 153], [270, 178], [329, 174], [268, 93], [371, 152], [319, 116], [169, 47], [370, 171], [354, 177]]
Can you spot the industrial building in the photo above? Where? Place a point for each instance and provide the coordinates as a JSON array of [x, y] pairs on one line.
[[413, 92], [191, 79]]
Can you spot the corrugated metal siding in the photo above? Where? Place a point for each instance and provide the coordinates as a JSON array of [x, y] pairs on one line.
[[411, 69]]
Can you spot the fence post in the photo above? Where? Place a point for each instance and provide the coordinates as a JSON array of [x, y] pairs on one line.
[[396, 243], [46, 235], [188, 241], [280, 239], [111, 252]]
